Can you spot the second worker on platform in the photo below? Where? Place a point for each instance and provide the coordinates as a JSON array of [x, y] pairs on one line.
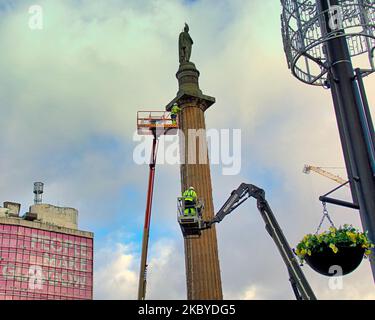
[[174, 112]]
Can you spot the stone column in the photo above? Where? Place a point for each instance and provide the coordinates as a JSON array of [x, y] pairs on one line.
[[201, 254]]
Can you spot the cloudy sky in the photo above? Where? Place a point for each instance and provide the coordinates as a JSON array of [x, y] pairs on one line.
[[68, 100]]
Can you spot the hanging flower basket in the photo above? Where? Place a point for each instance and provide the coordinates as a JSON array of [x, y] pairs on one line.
[[328, 263], [335, 252]]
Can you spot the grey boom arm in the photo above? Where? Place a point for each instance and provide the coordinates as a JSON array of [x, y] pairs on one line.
[[299, 283]]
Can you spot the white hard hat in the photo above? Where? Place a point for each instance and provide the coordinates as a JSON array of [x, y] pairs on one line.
[[191, 188]]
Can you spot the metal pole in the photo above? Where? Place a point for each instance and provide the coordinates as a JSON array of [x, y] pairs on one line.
[[366, 119], [146, 229], [347, 107], [339, 202], [344, 141]]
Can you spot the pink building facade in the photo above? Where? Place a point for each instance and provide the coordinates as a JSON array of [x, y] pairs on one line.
[[44, 262]]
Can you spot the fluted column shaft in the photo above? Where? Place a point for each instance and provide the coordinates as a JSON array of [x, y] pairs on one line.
[[201, 254]]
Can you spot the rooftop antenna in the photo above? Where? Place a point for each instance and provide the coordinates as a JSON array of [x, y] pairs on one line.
[[38, 191]]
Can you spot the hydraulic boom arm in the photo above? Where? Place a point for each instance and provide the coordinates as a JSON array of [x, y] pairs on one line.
[[299, 283]]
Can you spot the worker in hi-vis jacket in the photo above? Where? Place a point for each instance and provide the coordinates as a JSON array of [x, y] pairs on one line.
[[174, 112], [190, 201]]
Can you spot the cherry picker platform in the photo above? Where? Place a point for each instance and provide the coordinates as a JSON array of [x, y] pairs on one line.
[[299, 283], [155, 123], [191, 224]]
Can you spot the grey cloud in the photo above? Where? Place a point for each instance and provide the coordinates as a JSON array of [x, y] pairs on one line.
[[96, 64]]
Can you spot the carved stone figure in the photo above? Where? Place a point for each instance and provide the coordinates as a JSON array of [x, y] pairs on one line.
[[185, 43]]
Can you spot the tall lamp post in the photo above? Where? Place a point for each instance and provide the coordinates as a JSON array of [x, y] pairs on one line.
[[322, 40]]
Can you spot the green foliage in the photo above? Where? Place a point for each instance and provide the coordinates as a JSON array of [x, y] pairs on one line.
[[343, 236]]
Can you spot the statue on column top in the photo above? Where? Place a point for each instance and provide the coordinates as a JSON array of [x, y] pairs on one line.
[[185, 43]]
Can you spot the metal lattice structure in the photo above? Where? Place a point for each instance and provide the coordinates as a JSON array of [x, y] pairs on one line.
[[331, 43], [304, 40]]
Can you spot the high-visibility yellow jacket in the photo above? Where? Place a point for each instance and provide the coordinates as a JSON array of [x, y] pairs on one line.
[[189, 195], [175, 110]]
